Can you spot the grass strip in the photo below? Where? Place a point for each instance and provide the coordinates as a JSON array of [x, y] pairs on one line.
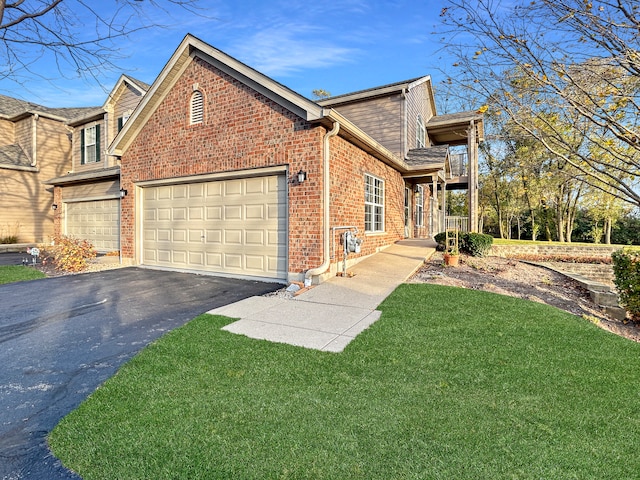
[[18, 273], [449, 383]]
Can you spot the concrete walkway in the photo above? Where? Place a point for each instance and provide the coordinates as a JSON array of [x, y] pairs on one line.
[[328, 316]]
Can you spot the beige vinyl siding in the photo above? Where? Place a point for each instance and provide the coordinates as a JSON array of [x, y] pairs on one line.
[[25, 202], [91, 191], [24, 136], [77, 159], [125, 101], [7, 132], [380, 118], [417, 104]]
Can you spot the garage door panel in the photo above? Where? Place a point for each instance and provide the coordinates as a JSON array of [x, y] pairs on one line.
[[254, 237], [233, 237], [231, 226], [233, 188], [196, 236], [232, 212], [214, 213], [214, 260], [179, 257], [96, 221], [233, 261], [254, 212], [213, 236], [254, 262]]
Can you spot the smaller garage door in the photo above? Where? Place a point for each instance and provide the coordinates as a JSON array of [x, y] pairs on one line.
[[229, 226], [96, 221]]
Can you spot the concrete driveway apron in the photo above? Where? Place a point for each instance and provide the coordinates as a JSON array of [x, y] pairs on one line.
[[60, 338]]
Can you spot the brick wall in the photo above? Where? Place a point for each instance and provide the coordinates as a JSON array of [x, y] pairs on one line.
[[349, 165], [242, 130]]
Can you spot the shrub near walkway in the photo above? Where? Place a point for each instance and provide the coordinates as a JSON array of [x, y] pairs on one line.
[[449, 383]]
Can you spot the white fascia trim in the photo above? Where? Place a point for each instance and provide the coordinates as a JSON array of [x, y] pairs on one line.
[[154, 96], [268, 87]]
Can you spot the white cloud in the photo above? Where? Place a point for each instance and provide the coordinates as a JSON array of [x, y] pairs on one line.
[[287, 48]]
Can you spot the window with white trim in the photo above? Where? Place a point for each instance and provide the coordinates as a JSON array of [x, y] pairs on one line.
[[90, 145], [420, 133], [419, 206], [373, 204], [197, 108]]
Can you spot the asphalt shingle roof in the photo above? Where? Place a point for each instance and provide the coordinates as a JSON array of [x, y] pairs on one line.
[[11, 107], [428, 157], [14, 155]]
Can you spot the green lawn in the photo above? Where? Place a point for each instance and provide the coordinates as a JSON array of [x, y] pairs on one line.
[[505, 241], [18, 273], [448, 384]]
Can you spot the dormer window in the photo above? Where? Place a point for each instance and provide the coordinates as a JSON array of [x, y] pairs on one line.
[[197, 108], [420, 133]]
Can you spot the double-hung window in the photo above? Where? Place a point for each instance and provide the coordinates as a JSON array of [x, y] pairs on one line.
[[373, 204], [420, 133], [90, 145]]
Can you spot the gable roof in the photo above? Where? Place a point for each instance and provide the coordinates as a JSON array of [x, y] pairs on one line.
[[452, 128], [96, 113], [14, 109], [190, 48], [381, 91], [138, 85]]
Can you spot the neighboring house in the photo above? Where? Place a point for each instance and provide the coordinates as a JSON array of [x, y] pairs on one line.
[[88, 195], [224, 170], [35, 145]]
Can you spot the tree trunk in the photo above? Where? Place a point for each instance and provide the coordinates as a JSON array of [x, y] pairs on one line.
[[607, 230]]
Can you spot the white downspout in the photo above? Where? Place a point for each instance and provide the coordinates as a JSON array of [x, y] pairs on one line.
[[326, 218], [34, 139]]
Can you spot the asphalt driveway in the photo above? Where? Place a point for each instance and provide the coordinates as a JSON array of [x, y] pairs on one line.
[[60, 338]]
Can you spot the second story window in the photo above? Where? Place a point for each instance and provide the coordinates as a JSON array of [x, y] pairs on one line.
[[122, 120], [197, 108], [420, 133], [90, 145]]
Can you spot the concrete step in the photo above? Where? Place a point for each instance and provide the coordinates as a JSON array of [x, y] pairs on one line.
[[604, 299]]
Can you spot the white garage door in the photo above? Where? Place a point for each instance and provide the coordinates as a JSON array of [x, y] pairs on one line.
[[229, 226], [95, 221]]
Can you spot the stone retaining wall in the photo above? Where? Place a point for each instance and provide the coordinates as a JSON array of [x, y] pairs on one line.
[[558, 250], [598, 272]]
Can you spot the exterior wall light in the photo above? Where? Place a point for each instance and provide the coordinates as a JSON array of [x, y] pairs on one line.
[[123, 193], [302, 176], [54, 206]]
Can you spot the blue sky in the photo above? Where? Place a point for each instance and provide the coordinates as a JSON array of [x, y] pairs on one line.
[[340, 46]]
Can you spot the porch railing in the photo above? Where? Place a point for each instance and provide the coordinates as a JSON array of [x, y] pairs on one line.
[[458, 164], [457, 223]]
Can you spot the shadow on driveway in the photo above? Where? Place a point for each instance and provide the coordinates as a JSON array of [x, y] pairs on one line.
[[60, 338]]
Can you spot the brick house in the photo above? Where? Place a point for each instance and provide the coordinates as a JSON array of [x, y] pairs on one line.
[[34, 146], [224, 170]]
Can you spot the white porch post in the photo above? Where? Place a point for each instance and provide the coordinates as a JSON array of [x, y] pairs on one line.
[[472, 155], [444, 205]]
